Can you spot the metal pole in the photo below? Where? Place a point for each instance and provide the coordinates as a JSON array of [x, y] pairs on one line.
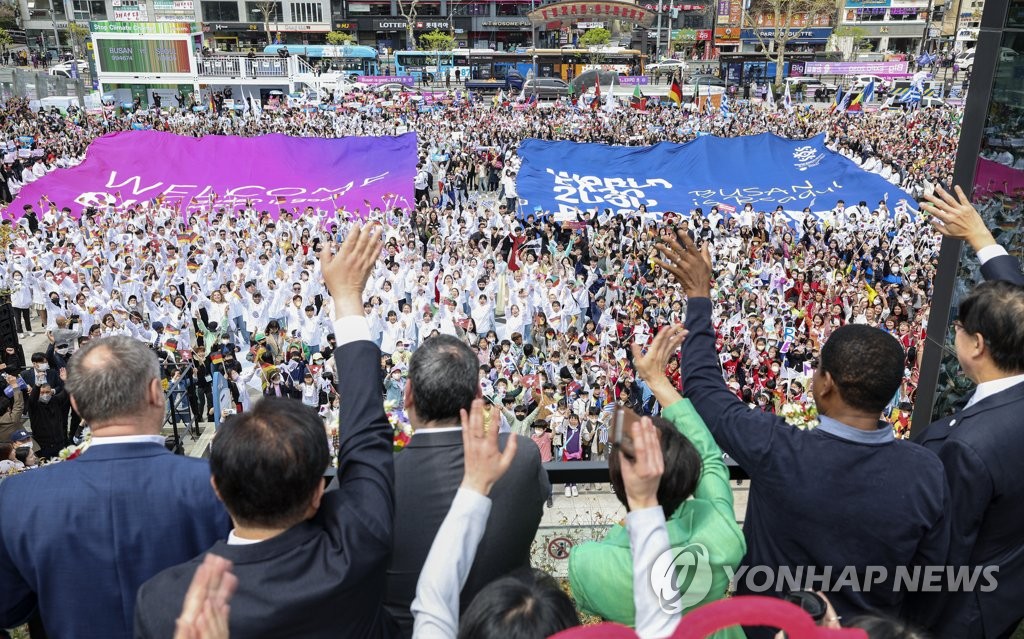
[[927, 26], [56, 35], [956, 23], [657, 39]]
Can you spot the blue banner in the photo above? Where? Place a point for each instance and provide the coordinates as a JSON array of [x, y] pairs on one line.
[[765, 170]]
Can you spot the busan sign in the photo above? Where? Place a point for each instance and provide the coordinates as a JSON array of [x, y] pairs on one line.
[[574, 12]]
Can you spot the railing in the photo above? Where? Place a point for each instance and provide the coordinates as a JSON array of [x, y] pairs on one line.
[[238, 67]]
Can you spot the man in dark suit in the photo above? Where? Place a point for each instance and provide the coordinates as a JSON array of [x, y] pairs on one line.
[[78, 539], [982, 446], [844, 496], [444, 378], [310, 563]]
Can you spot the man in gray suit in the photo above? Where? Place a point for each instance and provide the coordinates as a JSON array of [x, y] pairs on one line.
[[443, 379]]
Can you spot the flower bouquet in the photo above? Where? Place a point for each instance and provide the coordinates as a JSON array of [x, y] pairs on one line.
[[800, 415], [399, 424]]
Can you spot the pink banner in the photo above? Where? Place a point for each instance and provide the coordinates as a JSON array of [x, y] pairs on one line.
[[354, 173]]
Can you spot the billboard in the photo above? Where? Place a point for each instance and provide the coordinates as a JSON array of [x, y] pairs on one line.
[[120, 55], [177, 28]]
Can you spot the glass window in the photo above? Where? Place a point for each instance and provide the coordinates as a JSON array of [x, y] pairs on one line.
[[254, 11], [307, 12], [220, 11]]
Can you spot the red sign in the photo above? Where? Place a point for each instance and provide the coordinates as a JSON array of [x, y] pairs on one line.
[[703, 34], [571, 12]]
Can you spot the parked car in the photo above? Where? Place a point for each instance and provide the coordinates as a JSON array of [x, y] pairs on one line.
[[667, 66], [812, 86], [966, 62], [546, 88], [861, 81], [589, 78]]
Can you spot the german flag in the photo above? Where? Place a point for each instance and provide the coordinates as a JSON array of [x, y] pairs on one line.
[[281, 199], [267, 368], [216, 357], [675, 93], [192, 265], [171, 345]]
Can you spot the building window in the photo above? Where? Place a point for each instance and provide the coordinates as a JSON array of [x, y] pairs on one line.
[[872, 14], [428, 10], [307, 12], [254, 12], [472, 9], [220, 12]]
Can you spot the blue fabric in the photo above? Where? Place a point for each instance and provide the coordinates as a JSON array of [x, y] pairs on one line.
[[78, 538], [766, 170]]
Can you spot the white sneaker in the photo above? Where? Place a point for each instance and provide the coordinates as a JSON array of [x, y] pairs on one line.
[[568, 491], [575, 493]]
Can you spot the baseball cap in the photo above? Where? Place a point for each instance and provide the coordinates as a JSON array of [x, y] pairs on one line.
[[20, 435], [259, 337]]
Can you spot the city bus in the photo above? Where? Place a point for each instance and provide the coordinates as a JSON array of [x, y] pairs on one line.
[[353, 60], [569, 63], [432, 64]]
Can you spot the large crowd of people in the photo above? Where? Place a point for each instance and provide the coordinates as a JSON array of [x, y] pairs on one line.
[[566, 331]]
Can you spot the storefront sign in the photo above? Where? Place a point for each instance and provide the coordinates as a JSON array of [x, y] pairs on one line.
[[855, 68], [346, 26], [815, 35], [514, 23], [181, 28], [574, 12], [590, 25]]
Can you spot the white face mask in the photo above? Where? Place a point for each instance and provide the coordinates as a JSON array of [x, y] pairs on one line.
[[42, 367], [46, 398]]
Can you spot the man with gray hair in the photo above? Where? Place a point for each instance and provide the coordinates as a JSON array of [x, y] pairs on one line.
[[443, 380], [84, 534]]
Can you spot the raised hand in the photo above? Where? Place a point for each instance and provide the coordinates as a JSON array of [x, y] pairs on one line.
[[666, 344], [642, 470], [957, 218], [689, 265], [484, 463], [346, 271], [205, 612]]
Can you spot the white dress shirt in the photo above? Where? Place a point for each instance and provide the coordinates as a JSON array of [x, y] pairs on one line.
[[127, 439]]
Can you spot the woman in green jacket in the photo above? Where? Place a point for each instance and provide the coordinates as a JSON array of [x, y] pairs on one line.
[[704, 528]]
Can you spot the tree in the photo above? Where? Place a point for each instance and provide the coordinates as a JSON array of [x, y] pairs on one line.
[[437, 41], [407, 9], [5, 39], [788, 18], [339, 38], [593, 39], [78, 35], [267, 10]]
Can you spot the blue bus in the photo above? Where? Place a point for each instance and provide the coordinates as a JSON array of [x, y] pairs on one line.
[[426, 65], [354, 60]]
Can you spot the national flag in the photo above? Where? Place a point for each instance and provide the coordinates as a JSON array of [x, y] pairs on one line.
[[845, 103], [596, 102], [675, 93], [787, 100], [281, 199], [192, 265], [216, 357], [171, 345], [184, 238], [770, 100], [912, 96], [724, 108], [513, 255], [532, 100], [868, 92], [837, 100], [267, 368], [638, 101], [496, 102], [171, 331]]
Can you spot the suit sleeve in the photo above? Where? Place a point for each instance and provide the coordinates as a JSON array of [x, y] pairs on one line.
[[745, 434], [1003, 267], [17, 601], [362, 510]]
